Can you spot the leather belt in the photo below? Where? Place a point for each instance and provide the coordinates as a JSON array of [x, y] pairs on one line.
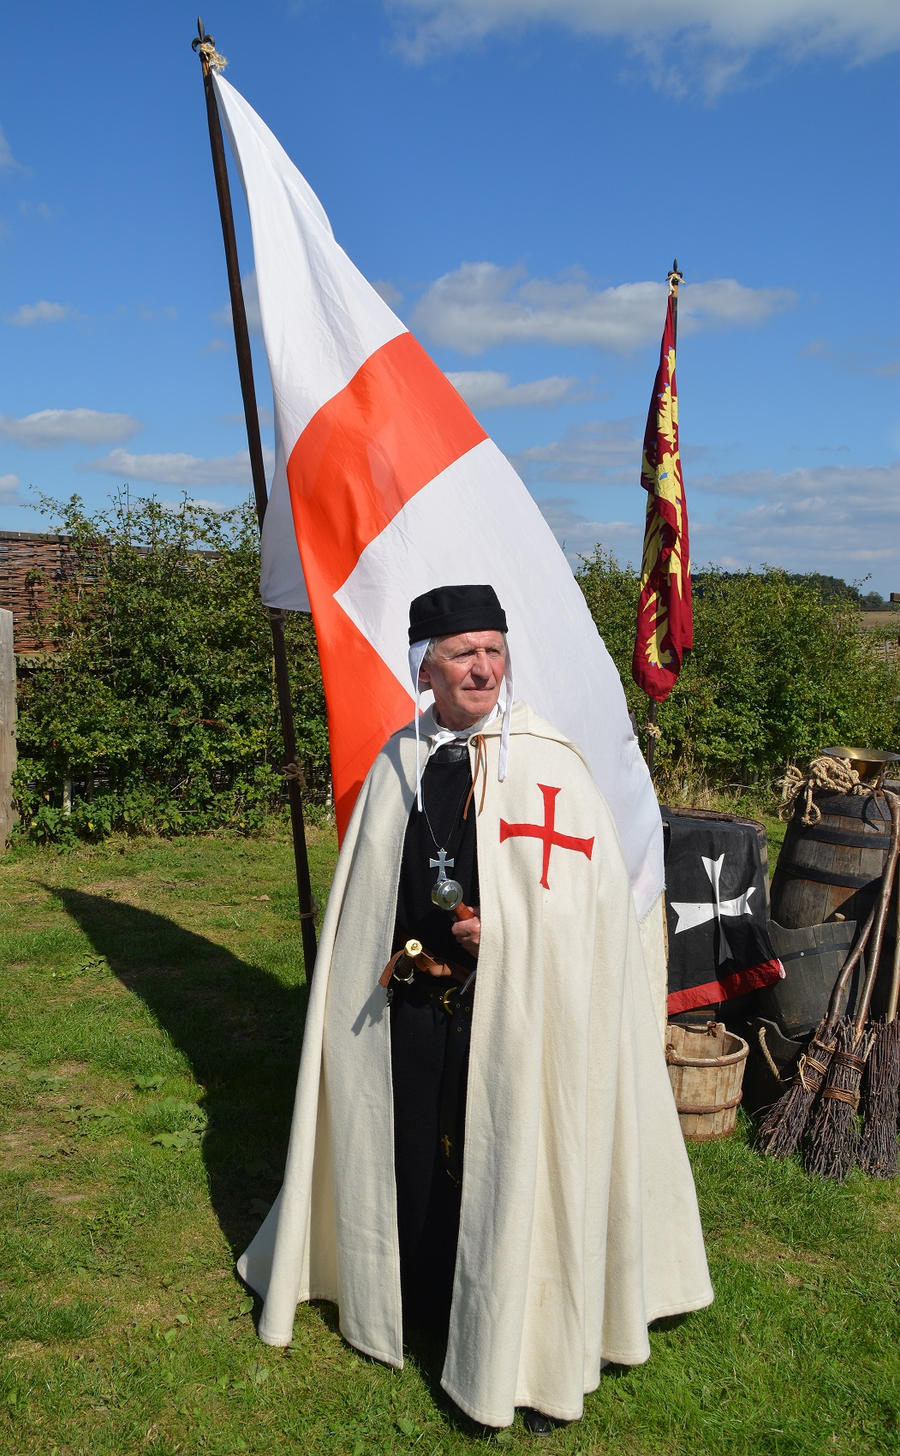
[[413, 957]]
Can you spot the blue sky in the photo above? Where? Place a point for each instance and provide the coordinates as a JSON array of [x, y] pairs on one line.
[[516, 177]]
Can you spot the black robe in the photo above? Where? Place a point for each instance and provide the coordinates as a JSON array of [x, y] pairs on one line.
[[430, 1043]]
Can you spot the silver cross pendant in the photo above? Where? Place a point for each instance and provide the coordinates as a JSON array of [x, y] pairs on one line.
[[441, 864]]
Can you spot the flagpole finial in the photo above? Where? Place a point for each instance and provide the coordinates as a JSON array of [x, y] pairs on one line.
[[674, 278], [206, 46]]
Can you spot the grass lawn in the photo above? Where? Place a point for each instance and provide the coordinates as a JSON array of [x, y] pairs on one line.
[[152, 1000]]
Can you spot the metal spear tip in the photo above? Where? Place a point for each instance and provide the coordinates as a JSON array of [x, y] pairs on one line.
[[201, 37]]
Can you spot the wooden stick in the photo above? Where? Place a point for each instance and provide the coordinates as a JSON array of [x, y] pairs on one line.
[[862, 1009], [290, 767], [832, 1144]]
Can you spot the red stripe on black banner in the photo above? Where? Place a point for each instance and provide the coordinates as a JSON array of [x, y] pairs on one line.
[[737, 983]]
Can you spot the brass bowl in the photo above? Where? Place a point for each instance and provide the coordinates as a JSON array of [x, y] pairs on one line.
[[869, 763]]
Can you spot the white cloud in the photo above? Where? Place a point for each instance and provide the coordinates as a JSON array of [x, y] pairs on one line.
[[842, 520], [147, 314], [723, 302], [842, 491], [578, 535], [708, 39], [250, 292], [607, 451], [265, 414], [391, 295], [8, 162], [9, 489], [42, 312], [52, 427], [863, 355], [190, 471], [481, 305], [486, 389], [197, 501]]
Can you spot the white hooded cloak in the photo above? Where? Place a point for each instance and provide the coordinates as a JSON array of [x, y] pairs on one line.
[[579, 1221]]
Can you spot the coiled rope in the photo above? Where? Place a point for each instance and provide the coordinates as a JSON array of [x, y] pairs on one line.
[[207, 49], [797, 788]]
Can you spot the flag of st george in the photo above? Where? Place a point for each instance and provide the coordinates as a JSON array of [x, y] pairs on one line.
[[665, 624], [385, 485]]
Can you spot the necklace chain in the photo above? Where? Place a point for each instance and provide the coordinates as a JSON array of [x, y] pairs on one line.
[[453, 820]]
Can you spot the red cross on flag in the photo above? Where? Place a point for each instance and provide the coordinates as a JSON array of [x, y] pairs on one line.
[[386, 486]]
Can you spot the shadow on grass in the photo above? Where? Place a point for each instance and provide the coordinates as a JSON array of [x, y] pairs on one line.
[[238, 1026], [240, 1029]]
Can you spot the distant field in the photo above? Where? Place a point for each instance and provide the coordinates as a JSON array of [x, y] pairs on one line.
[[890, 617]]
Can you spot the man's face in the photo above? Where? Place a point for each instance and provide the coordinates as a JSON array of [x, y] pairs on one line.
[[465, 674]]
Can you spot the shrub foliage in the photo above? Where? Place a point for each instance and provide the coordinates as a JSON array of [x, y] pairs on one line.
[[780, 669], [155, 708], [156, 704]]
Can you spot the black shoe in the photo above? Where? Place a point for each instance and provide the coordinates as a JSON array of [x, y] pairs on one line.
[[537, 1423]]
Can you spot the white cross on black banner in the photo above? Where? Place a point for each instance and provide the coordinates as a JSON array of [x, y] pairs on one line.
[[719, 945]]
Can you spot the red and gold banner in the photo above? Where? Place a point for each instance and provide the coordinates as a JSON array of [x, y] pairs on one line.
[[664, 624]]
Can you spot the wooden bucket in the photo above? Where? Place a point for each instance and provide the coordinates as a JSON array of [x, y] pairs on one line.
[[706, 1069]]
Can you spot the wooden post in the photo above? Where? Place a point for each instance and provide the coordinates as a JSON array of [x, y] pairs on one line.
[[7, 724], [650, 741], [205, 45]]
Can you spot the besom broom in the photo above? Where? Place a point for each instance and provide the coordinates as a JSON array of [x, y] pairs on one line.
[[782, 1126], [832, 1135], [877, 1153]]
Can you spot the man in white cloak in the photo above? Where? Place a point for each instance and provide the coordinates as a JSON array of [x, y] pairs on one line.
[[483, 1121]]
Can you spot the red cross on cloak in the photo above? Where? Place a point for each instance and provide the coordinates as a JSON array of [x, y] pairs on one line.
[[547, 833]]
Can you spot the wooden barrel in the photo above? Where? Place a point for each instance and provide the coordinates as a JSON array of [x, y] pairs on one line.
[[813, 957], [832, 870], [706, 1069], [832, 867]]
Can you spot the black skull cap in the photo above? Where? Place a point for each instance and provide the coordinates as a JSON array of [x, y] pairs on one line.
[[447, 610]]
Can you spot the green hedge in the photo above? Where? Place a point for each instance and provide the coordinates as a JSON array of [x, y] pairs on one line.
[[157, 703], [779, 670]]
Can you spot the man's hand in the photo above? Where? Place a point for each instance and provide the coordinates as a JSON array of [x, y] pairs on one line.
[[468, 933]]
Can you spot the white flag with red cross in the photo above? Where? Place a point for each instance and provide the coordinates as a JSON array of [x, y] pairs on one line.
[[385, 486]]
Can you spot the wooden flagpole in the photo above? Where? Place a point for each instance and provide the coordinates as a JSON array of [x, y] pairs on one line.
[[674, 279], [205, 45]]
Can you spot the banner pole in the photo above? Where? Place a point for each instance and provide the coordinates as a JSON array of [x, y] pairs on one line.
[[205, 45], [651, 734], [673, 279]]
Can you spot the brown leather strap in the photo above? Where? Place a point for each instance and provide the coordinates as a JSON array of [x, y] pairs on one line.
[[385, 978], [422, 962]]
